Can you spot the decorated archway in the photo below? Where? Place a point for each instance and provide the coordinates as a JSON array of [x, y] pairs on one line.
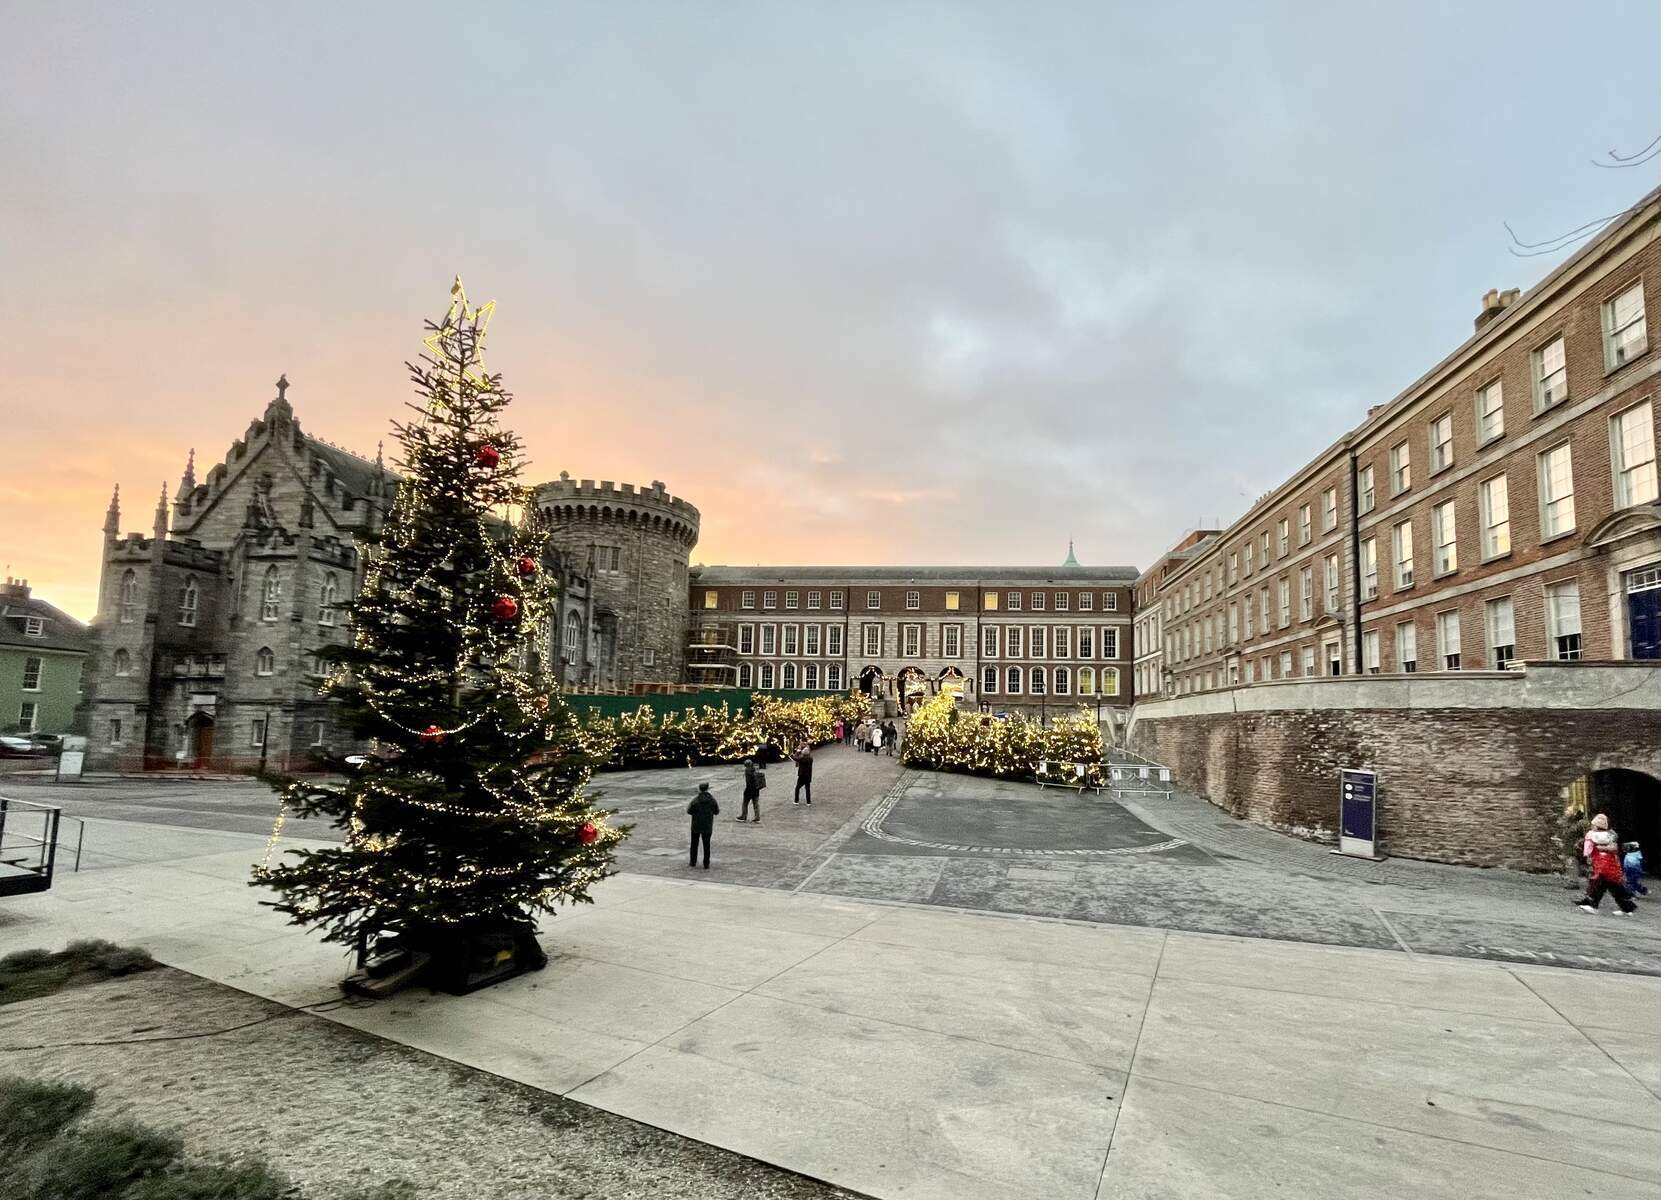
[[870, 680], [911, 687], [951, 682]]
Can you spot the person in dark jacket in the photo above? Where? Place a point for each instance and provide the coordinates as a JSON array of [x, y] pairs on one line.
[[804, 772], [754, 780], [890, 738], [702, 810]]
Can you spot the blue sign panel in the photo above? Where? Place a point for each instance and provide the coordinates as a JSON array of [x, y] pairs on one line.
[[1357, 812]]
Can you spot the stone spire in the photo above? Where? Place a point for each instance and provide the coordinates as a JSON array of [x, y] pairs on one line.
[[1071, 560], [161, 513], [112, 515], [187, 482]]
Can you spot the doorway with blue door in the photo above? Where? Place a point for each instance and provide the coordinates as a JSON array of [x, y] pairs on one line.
[[1643, 610]]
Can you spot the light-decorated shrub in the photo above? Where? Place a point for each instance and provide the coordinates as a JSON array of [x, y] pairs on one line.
[[940, 738], [772, 728]]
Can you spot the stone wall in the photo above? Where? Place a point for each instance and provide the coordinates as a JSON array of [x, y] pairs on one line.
[[1472, 768]]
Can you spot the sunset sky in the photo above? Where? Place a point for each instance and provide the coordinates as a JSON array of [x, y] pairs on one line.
[[877, 282]]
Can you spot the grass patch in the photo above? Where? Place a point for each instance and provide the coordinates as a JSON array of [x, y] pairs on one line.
[[48, 1153], [30, 974]]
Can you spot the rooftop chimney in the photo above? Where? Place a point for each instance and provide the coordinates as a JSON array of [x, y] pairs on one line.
[[1494, 302]]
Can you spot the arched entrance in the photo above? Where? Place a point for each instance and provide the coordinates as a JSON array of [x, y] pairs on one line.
[[912, 687], [199, 728], [1632, 802], [870, 680], [951, 682]]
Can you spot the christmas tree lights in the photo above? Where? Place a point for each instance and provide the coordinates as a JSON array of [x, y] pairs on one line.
[[940, 738]]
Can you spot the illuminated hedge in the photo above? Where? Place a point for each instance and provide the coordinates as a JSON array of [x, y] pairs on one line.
[[710, 735], [940, 738]]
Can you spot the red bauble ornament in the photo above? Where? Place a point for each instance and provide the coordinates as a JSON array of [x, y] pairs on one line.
[[588, 833], [542, 704], [488, 456], [433, 734], [506, 608], [527, 567]]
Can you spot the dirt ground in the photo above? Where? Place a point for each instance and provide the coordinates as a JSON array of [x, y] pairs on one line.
[[334, 1109]]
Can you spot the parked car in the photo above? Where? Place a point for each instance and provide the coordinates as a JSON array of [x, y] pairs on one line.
[[17, 745], [49, 743]]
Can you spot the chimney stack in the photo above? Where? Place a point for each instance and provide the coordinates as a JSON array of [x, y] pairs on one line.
[[1495, 302]]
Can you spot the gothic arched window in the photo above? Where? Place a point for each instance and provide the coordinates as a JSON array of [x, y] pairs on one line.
[[123, 663], [272, 595], [789, 675], [745, 674], [1110, 681], [1036, 681], [188, 602], [265, 662], [1087, 681], [129, 597], [573, 636], [326, 600]]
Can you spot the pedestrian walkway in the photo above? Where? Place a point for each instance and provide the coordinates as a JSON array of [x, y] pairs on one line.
[[917, 1053]]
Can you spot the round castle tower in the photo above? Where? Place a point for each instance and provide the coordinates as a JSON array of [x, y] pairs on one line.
[[634, 544]]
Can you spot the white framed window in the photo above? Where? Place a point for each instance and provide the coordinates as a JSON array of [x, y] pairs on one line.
[[1087, 681], [873, 600], [26, 713], [1086, 642], [1369, 569], [1233, 625], [1061, 602], [1401, 468], [746, 599], [1369, 652], [1306, 594], [769, 600], [1015, 642], [31, 673], [1447, 639], [1037, 642], [1246, 556], [954, 601], [1329, 510], [810, 641], [610, 559], [1063, 681], [1407, 647], [129, 597], [833, 677], [271, 595], [790, 640], [1632, 446], [1110, 601], [813, 601], [1307, 655], [1286, 664], [746, 638], [256, 732], [1265, 549], [1563, 620], [34, 626], [1283, 535], [1402, 543], [190, 599], [765, 676], [792, 601], [1285, 602], [265, 662], [769, 640], [1367, 494], [871, 640], [911, 641], [1037, 681], [1109, 682], [989, 681], [1247, 612], [951, 641], [329, 594], [833, 640], [787, 675], [1441, 443], [989, 641], [1037, 604], [1502, 633], [1331, 582], [1087, 601], [836, 601], [1625, 335], [1110, 642], [913, 601], [746, 675], [712, 600], [1556, 482], [1303, 524], [1444, 539], [1061, 641], [810, 676], [1263, 608], [1012, 681], [1551, 375], [1496, 517]]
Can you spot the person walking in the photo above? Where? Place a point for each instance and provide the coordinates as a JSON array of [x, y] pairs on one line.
[[876, 739], [890, 736], [702, 810], [862, 736], [1607, 874], [754, 780], [836, 730], [804, 772], [1632, 866]]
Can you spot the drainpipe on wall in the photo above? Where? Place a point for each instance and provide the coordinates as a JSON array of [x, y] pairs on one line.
[[1355, 562]]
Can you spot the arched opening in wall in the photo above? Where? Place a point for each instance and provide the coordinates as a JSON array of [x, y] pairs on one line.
[[870, 680], [199, 733], [1632, 802], [913, 687]]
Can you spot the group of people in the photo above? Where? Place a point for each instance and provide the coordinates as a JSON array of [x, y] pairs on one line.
[[871, 736], [704, 808], [1612, 868]]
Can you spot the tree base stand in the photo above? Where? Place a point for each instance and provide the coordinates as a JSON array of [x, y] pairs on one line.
[[458, 966]]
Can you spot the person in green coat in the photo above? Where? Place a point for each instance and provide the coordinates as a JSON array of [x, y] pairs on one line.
[[702, 810]]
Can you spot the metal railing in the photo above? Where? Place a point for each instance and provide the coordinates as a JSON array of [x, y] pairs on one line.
[[29, 840]]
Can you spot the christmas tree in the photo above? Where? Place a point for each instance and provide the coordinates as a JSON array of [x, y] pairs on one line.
[[466, 819]]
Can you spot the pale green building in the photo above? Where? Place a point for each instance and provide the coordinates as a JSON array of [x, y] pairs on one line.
[[43, 652]]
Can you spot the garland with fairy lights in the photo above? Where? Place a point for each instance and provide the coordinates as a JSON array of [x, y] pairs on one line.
[[467, 819], [772, 728], [940, 738]]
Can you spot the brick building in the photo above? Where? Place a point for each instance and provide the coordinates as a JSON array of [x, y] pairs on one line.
[[1148, 594], [1021, 639], [1502, 508]]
